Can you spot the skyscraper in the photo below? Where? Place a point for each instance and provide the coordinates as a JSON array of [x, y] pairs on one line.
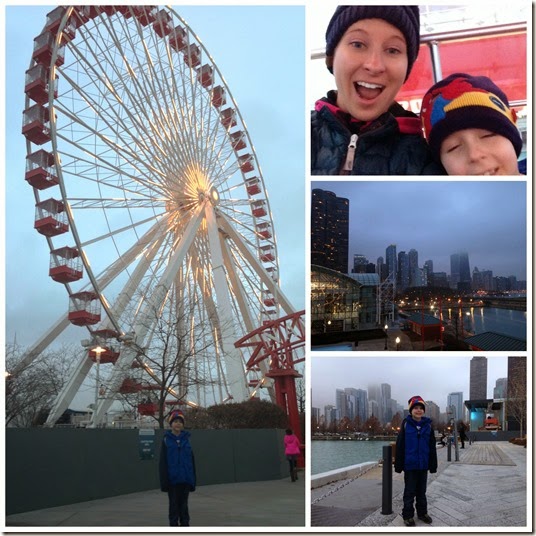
[[460, 274], [413, 260], [478, 378], [329, 230], [403, 271], [456, 400], [428, 271], [390, 259], [499, 391]]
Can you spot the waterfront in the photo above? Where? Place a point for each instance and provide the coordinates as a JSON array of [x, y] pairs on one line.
[[331, 455], [482, 319]]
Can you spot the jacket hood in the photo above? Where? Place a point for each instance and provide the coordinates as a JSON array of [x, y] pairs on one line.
[[408, 122]]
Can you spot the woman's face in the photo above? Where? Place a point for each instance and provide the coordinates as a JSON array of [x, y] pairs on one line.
[[370, 65]]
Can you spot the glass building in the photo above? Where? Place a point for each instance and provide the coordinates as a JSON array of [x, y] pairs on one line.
[[342, 302]]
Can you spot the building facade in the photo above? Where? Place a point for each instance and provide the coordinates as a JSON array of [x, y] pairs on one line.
[[329, 230], [478, 379]]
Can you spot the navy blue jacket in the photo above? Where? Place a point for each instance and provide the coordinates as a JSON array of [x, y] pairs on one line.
[[416, 446], [177, 464], [390, 145]]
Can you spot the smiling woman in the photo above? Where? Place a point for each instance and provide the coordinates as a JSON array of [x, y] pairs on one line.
[[359, 129]]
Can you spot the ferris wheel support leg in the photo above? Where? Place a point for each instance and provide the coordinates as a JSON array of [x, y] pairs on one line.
[[141, 327], [232, 356], [70, 389]]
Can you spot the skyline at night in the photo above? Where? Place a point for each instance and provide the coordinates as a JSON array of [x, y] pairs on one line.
[[483, 218]]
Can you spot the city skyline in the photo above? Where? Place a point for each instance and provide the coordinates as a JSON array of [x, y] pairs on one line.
[[432, 379], [486, 219]]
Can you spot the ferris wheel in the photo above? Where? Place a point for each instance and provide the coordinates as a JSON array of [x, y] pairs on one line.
[[150, 195]]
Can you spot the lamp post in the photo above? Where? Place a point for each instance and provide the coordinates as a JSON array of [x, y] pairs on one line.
[[468, 315], [397, 340], [98, 351], [386, 327]]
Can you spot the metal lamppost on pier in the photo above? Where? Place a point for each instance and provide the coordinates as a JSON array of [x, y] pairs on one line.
[[386, 327], [397, 340]]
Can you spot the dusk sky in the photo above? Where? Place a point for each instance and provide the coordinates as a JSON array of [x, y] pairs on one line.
[[485, 218], [432, 378]]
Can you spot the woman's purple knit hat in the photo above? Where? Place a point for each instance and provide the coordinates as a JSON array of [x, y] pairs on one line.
[[405, 18]]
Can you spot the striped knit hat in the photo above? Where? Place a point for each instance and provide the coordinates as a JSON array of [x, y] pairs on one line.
[[176, 414], [405, 18], [414, 400], [462, 101]]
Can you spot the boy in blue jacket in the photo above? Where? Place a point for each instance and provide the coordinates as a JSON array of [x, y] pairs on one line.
[[416, 455], [177, 469]]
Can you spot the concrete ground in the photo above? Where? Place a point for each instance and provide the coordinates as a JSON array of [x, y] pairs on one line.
[[271, 503], [487, 487]]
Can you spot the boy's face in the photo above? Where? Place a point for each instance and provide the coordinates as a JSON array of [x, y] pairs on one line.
[[177, 426], [475, 151], [417, 412], [370, 65]]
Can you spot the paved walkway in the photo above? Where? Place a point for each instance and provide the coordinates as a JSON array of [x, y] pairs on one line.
[[487, 487], [271, 503]]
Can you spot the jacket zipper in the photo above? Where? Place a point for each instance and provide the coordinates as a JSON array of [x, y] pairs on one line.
[[350, 155]]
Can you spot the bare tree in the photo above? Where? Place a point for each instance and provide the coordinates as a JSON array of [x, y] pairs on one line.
[[173, 361], [516, 404], [31, 390]]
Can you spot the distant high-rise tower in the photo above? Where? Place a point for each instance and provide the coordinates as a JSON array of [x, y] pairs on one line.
[[329, 230], [360, 264], [499, 391], [460, 274], [478, 379], [428, 269], [403, 271], [390, 260], [413, 259], [456, 400]]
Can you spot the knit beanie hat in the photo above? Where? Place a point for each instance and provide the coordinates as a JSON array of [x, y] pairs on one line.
[[176, 414], [405, 18], [462, 101], [416, 400]]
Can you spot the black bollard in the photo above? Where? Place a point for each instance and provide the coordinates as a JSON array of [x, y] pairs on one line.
[[449, 455], [387, 480]]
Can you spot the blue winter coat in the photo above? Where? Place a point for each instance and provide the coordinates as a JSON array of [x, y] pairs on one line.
[[390, 145], [416, 446], [177, 464]]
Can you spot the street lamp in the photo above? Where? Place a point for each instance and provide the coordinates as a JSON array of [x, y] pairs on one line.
[[386, 327], [98, 351], [397, 340], [468, 315]]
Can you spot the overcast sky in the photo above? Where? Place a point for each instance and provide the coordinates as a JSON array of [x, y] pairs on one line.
[[433, 378], [485, 218], [260, 51]]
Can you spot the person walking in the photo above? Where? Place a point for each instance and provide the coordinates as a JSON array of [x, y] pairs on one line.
[[177, 469], [416, 454], [461, 433], [292, 451]]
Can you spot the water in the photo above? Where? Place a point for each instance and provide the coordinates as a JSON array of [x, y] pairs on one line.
[[334, 348], [481, 319], [331, 455]]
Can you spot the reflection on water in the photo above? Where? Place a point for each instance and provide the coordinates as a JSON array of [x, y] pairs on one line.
[[481, 319], [335, 454]]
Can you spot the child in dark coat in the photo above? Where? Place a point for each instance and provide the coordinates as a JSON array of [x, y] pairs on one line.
[[177, 469], [416, 455]]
